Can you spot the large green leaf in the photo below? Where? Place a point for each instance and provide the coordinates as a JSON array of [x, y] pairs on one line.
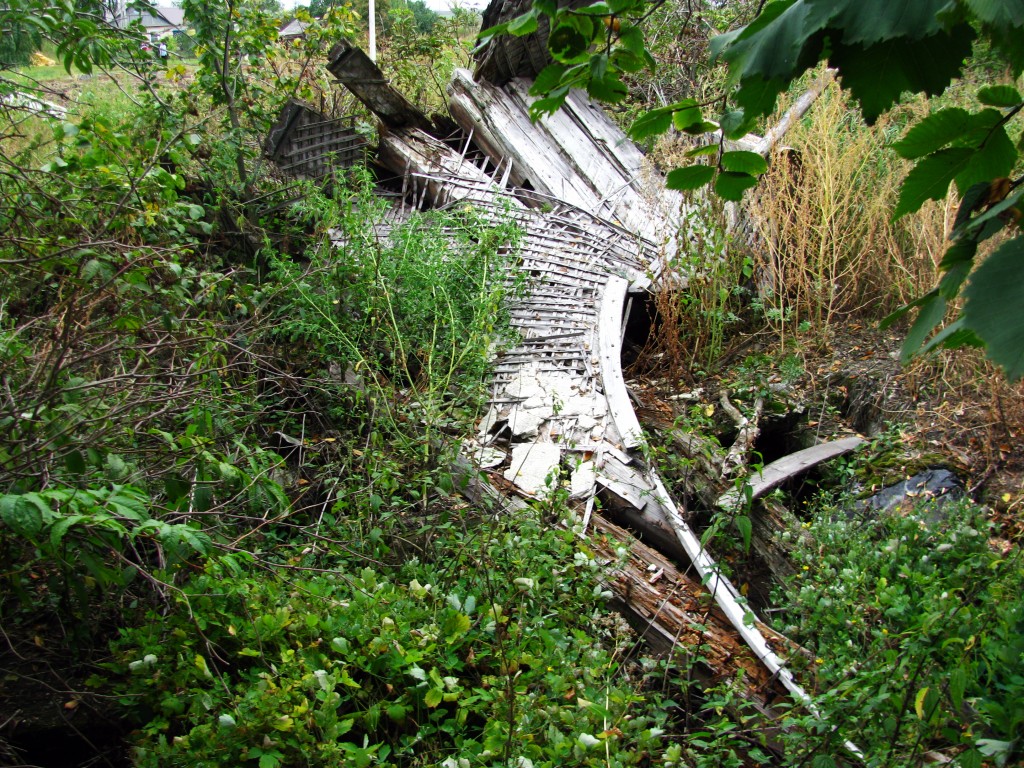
[[994, 159], [653, 123], [999, 13], [866, 22], [878, 74], [880, 47], [22, 517], [933, 309], [744, 162], [933, 133], [999, 96], [993, 309], [930, 178], [691, 177], [731, 186]]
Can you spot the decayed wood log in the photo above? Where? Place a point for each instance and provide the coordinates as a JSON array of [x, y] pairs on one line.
[[668, 608], [774, 134], [509, 56], [363, 78], [775, 474]]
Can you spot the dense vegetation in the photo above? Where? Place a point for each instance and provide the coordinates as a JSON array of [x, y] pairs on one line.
[[229, 404]]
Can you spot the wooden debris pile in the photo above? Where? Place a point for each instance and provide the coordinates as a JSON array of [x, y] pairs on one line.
[[596, 226]]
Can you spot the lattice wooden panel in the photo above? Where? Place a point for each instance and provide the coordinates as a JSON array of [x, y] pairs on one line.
[[306, 143]]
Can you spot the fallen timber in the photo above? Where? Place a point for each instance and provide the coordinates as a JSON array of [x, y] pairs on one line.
[[559, 411]]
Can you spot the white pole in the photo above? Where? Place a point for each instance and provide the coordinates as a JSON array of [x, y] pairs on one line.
[[373, 31]]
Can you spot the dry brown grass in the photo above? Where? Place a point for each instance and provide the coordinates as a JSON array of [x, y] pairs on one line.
[[827, 245]]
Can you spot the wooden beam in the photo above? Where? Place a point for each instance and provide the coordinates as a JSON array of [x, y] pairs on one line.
[[363, 78], [609, 327], [778, 472]]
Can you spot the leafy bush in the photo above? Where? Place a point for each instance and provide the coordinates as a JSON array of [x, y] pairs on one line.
[[490, 649], [915, 626]]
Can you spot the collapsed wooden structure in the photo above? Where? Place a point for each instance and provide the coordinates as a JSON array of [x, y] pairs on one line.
[[304, 142], [597, 227]]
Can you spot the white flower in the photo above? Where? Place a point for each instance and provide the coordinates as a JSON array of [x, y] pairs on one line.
[[586, 740]]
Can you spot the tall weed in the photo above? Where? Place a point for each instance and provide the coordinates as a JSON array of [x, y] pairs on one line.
[[826, 244]]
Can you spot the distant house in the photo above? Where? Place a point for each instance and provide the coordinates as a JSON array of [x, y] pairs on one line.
[[159, 22], [293, 30]]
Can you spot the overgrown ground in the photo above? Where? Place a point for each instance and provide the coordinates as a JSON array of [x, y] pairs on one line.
[[230, 536]]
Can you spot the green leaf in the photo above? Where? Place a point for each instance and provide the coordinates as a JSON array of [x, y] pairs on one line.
[[930, 178], [548, 79], [744, 162], [567, 43], [949, 285], [434, 697], [632, 39], [994, 159], [953, 336], [735, 123], [653, 123], [746, 529], [999, 96], [957, 686], [731, 186], [491, 32], [523, 25], [919, 703], [176, 488], [685, 118], [455, 625], [972, 199], [202, 666], [932, 311], [877, 75], [202, 497], [691, 177], [707, 149], [610, 89], [933, 133], [23, 518], [75, 462], [998, 13], [61, 527], [992, 308]]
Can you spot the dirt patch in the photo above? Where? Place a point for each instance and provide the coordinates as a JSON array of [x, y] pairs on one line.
[[953, 411]]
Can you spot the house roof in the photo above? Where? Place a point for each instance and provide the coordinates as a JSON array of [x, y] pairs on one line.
[[160, 17], [293, 28]]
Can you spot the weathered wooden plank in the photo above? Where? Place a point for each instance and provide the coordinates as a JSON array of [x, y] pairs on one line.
[[610, 340], [363, 78], [778, 472]]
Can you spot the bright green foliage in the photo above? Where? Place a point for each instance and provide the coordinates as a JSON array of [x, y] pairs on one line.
[[917, 627], [880, 49], [484, 649]]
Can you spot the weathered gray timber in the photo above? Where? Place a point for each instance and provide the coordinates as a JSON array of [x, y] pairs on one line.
[[304, 142], [577, 155], [363, 78], [508, 56], [775, 474], [559, 415]]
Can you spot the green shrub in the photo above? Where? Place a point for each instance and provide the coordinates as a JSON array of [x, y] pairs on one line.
[[491, 649], [915, 625]]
